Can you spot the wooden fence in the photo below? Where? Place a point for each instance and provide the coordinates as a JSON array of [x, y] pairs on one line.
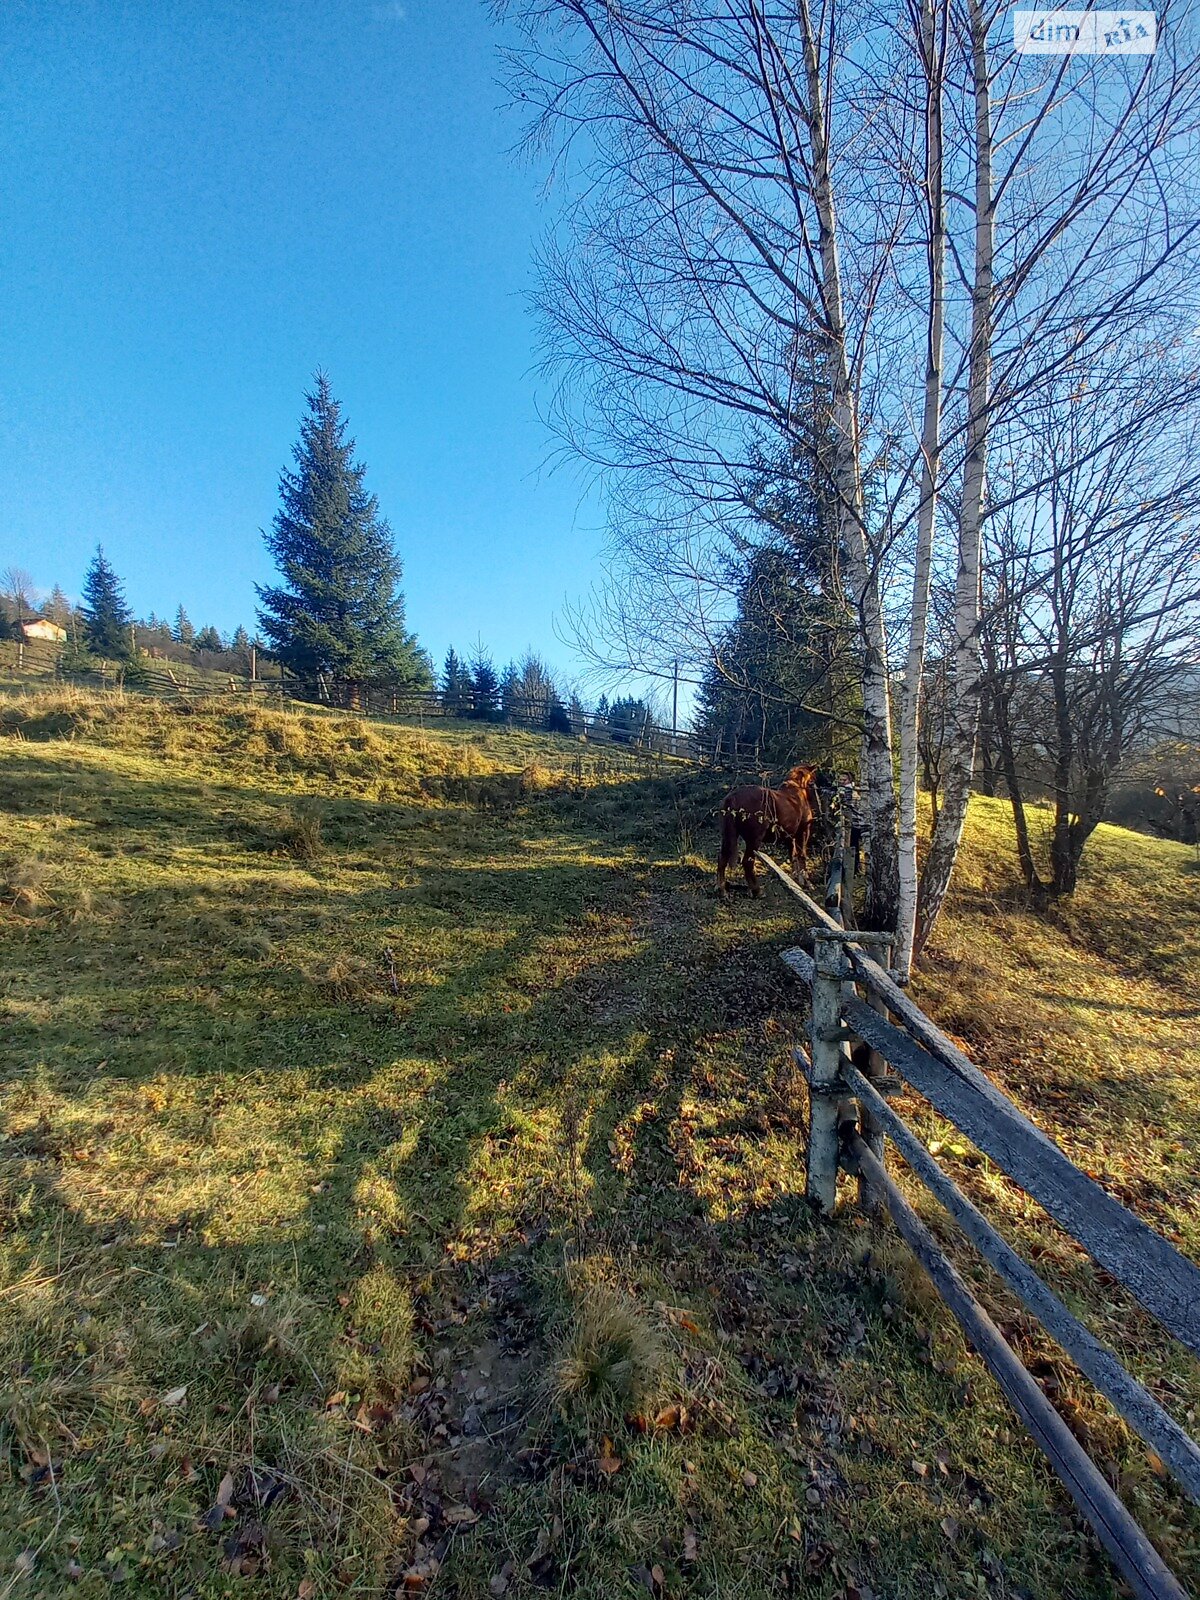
[[170, 679], [856, 1001], [533, 716]]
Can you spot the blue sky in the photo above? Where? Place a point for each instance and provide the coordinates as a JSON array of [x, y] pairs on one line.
[[202, 202]]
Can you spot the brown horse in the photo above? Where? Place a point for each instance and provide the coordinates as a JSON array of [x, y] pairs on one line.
[[757, 815]]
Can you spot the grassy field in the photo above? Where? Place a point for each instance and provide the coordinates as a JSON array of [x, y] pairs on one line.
[[400, 1188]]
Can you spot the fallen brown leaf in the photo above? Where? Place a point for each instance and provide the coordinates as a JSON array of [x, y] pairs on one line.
[[608, 1461], [671, 1418]]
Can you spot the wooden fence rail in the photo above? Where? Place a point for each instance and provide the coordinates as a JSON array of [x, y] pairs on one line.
[[172, 679], [1120, 1535], [849, 1117]]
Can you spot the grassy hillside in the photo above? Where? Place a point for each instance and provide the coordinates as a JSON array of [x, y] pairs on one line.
[[401, 1184]]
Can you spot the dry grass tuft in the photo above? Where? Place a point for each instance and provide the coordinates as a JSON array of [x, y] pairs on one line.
[[23, 882], [610, 1357], [301, 831], [345, 979], [252, 945], [538, 779]]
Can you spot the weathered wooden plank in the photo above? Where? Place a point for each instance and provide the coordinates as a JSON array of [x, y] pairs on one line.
[[1137, 1559], [1165, 1282], [1140, 1409], [882, 984], [819, 912], [801, 963], [869, 1124], [826, 1056]]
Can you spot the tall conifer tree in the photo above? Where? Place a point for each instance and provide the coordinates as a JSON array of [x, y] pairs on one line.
[[485, 687], [106, 617], [339, 609], [456, 684]]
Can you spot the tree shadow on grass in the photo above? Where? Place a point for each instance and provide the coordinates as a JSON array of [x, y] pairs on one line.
[[572, 1065]]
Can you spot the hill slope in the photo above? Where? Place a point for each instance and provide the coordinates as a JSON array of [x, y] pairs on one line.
[[402, 1171]]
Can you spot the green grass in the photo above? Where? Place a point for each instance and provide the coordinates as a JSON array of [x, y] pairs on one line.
[[401, 1184]]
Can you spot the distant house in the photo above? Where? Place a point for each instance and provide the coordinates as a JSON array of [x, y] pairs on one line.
[[41, 628]]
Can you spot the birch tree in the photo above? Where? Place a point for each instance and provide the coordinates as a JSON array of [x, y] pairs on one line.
[[930, 29], [1091, 614], [1083, 225], [705, 253]]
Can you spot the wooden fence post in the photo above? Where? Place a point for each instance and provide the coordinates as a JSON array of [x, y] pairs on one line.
[[824, 1072], [869, 1196]]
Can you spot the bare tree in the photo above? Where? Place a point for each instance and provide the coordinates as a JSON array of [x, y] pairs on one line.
[[1092, 592], [19, 590], [930, 20], [704, 256], [1078, 226]]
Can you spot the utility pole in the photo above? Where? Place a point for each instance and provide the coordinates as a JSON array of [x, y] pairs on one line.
[[675, 710]]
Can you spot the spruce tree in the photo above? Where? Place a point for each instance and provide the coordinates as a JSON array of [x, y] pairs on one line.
[[557, 719], [628, 720], [208, 639], [510, 693], [456, 685], [183, 632], [485, 688], [106, 617], [339, 609], [58, 607]]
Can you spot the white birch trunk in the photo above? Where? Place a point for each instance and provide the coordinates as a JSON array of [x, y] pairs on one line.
[[963, 710], [933, 60], [878, 783]]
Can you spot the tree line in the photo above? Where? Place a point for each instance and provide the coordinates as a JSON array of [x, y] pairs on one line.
[[525, 692], [335, 619], [337, 611], [104, 628]]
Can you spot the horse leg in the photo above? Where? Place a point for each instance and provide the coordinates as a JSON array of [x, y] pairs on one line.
[[748, 869], [800, 843], [727, 854]]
